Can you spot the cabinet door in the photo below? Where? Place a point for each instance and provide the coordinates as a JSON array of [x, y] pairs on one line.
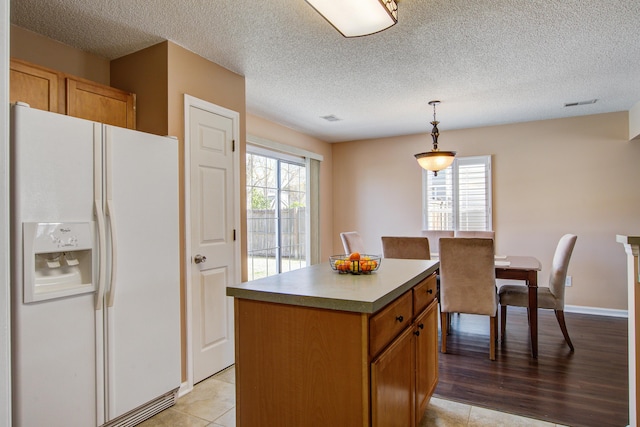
[[93, 101], [35, 86], [426, 357], [393, 383]]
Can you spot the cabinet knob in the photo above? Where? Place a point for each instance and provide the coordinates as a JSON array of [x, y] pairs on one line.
[[416, 333], [421, 326], [399, 318], [429, 291]]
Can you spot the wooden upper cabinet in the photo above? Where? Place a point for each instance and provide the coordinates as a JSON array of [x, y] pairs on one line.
[[62, 93], [34, 85], [100, 103]]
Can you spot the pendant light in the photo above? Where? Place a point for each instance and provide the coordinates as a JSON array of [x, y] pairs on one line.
[[435, 160]]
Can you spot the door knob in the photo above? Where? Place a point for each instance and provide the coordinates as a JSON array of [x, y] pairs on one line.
[[198, 259]]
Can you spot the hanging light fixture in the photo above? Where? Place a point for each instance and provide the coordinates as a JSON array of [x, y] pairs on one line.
[[353, 18], [435, 160]]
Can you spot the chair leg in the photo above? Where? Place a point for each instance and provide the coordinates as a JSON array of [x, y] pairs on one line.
[[493, 336], [563, 327], [443, 332], [503, 321]]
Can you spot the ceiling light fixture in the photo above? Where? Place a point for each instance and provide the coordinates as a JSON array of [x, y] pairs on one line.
[[354, 18], [435, 160]]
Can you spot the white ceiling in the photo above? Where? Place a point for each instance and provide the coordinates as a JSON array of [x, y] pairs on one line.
[[489, 61]]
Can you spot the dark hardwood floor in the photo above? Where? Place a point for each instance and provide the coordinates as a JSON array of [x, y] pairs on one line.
[[586, 388]]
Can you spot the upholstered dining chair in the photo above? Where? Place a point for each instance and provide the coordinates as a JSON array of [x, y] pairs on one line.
[[551, 297], [405, 247], [352, 242], [476, 234], [434, 237], [468, 284]]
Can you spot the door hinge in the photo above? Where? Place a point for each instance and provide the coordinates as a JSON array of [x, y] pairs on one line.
[[233, 145], [234, 234]]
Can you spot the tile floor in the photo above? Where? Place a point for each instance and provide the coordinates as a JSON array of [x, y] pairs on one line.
[[212, 404]]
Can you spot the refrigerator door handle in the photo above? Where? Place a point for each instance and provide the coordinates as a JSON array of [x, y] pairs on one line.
[[114, 252], [102, 243]]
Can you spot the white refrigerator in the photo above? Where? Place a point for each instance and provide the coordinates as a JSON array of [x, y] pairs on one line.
[[95, 272]]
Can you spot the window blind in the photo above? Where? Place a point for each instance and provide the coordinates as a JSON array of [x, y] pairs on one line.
[[459, 198]]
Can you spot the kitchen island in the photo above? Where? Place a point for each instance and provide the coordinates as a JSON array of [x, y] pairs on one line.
[[318, 348]]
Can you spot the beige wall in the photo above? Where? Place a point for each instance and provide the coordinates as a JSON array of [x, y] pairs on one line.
[[257, 126], [549, 178], [145, 73], [33, 47]]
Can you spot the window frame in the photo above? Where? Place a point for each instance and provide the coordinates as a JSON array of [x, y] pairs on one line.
[[311, 161], [280, 159], [454, 170]]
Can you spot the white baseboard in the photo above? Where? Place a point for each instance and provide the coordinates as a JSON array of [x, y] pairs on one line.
[[596, 311], [185, 388]]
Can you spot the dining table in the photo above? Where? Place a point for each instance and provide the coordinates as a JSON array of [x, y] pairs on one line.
[[522, 268]]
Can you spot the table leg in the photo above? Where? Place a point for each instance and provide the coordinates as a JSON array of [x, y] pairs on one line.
[[532, 283]]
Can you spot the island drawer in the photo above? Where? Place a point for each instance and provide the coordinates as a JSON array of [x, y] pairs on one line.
[[385, 325], [423, 293]]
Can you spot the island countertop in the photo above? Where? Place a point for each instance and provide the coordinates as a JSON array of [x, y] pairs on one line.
[[320, 286]]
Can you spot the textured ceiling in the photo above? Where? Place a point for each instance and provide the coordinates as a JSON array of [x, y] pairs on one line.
[[489, 61]]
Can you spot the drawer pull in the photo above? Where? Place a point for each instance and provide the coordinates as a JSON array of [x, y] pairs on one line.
[[400, 319]]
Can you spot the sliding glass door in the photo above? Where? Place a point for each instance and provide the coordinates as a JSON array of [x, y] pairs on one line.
[[276, 213]]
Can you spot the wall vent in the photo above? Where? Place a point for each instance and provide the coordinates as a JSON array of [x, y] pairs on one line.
[[575, 104], [331, 118]]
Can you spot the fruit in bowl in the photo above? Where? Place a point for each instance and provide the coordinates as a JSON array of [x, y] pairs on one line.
[[369, 265], [354, 263]]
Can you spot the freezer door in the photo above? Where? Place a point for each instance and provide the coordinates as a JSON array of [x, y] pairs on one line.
[[54, 343], [143, 292]]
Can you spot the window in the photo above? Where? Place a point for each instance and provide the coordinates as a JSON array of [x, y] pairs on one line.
[[459, 198], [276, 212]]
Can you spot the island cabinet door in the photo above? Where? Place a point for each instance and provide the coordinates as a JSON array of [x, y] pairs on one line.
[[300, 366], [426, 357], [393, 383]]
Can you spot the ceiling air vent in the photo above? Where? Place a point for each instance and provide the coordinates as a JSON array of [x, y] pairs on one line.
[[331, 118], [575, 104]]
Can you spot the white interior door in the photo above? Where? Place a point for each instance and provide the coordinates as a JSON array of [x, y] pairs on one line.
[[214, 255]]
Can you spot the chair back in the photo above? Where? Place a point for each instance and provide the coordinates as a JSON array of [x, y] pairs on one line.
[[405, 247], [560, 266], [468, 276], [476, 234], [434, 237], [352, 242]]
